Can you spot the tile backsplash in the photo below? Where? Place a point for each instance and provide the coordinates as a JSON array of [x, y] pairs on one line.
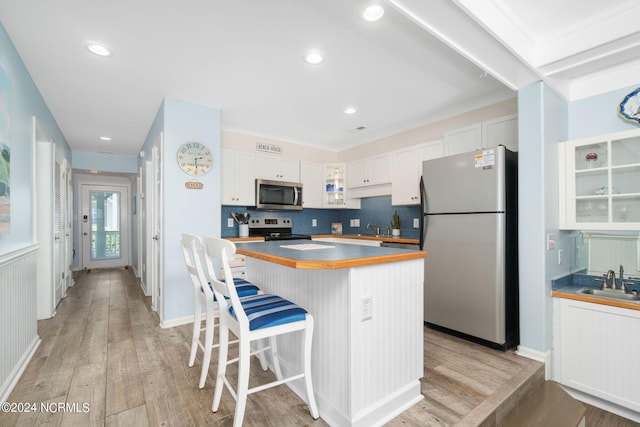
[[373, 210]]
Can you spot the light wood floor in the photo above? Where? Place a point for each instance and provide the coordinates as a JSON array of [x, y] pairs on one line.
[[104, 349]]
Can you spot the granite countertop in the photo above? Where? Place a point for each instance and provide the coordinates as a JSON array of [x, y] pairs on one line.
[[569, 285], [323, 255]]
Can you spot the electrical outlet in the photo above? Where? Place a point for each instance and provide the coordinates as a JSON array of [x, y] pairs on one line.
[[229, 222], [314, 222], [416, 223], [367, 309]]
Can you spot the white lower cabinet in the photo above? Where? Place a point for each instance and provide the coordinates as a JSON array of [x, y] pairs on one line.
[[596, 349]]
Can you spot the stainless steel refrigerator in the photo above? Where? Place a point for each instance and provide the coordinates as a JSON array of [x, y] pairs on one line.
[[469, 229]]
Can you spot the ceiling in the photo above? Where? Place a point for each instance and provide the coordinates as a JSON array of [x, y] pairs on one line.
[[422, 62]]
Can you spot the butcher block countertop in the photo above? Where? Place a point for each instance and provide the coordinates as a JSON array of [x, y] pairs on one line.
[[367, 237], [568, 287], [309, 254]]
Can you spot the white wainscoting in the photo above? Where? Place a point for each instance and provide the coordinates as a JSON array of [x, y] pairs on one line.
[[365, 372], [18, 323]]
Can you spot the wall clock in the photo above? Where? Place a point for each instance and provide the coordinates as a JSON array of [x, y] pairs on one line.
[[194, 158]]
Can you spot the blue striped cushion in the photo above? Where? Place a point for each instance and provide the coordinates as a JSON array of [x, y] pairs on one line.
[[267, 310], [243, 287]]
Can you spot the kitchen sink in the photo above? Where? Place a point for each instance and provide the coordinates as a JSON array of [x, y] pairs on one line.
[[617, 295]]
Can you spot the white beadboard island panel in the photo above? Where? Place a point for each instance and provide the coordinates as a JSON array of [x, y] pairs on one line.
[[365, 372]]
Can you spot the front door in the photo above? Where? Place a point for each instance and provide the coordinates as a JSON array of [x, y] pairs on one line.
[[105, 230]]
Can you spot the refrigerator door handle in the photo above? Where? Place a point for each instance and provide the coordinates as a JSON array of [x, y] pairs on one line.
[[423, 216]]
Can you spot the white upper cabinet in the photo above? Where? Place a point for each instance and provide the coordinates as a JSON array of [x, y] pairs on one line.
[[490, 133], [501, 131], [463, 140], [277, 168], [406, 168], [600, 182], [238, 178], [374, 170], [312, 178]]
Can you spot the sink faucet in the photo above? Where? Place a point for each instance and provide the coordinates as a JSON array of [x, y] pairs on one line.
[[610, 282], [374, 227]]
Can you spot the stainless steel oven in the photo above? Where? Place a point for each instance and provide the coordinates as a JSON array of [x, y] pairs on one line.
[[278, 195]]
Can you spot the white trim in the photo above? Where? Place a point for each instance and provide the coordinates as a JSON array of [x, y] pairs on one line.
[[19, 369], [8, 257], [544, 357], [179, 321]]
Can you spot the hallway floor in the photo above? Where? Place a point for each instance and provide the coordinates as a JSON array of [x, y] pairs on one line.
[[104, 356]]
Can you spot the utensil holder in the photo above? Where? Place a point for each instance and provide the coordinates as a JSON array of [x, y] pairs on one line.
[[243, 230]]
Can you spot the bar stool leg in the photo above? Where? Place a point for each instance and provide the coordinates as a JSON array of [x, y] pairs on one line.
[[308, 336], [244, 364], [275, 357], [195, 337], [222, 366], [208, 345]]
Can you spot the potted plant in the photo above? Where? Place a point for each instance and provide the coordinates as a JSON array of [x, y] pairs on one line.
[[395, 224]]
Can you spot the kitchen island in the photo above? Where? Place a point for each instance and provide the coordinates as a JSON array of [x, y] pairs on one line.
[[367, 357]]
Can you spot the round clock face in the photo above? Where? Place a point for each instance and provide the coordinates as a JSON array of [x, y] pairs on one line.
[[194, 158]]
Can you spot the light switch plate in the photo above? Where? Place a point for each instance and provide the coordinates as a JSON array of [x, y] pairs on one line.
[[416, 223], [314, 222], [356, 222]]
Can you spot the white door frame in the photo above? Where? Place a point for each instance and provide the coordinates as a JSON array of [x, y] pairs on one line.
[[125, 231]]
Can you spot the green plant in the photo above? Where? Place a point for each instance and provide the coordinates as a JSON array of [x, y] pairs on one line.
[[395, 220]]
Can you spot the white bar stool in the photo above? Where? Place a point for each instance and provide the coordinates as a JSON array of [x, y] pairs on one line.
[[255, 318], [203, 296]]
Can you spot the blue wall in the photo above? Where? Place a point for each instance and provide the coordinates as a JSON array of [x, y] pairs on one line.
[[104, 162], [23, 102], [374, 210]]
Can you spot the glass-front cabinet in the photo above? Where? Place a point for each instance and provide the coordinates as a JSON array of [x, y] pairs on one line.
[[334, 186], [600, 182]]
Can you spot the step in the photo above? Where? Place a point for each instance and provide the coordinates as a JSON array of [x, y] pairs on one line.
[[548, 405]]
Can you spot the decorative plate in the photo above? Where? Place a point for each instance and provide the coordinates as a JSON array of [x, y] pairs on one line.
[[630, 107]]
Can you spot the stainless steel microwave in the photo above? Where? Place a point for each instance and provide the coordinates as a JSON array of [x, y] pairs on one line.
[[278, 195]]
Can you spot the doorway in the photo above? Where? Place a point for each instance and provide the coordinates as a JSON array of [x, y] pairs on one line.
[[105, 226]]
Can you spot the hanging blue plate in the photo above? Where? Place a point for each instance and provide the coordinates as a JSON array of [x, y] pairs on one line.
[[630, 107]]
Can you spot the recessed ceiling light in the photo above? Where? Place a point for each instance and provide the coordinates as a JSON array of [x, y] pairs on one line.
[[105, 138], [373, 12], [313, 57], [350, 110], [98, 49]]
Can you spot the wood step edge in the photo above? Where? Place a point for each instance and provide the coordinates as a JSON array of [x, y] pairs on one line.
[[498, 407], [549, 406]]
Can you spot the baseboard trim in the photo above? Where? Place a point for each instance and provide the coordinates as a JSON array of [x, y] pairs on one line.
[[19, 369], [179, 321]]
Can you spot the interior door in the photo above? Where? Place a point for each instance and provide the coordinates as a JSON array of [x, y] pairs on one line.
[[105, 230], [153, 212], [58, 245]]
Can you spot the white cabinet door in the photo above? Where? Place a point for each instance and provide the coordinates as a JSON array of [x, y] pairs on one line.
[[374, 170], [501, 131], [238, 178], [405, 187], [357, 174], [406, 167], [463, 140], [312, 178], [277, 168], [591, 343], [600, 182], [379, 169]]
